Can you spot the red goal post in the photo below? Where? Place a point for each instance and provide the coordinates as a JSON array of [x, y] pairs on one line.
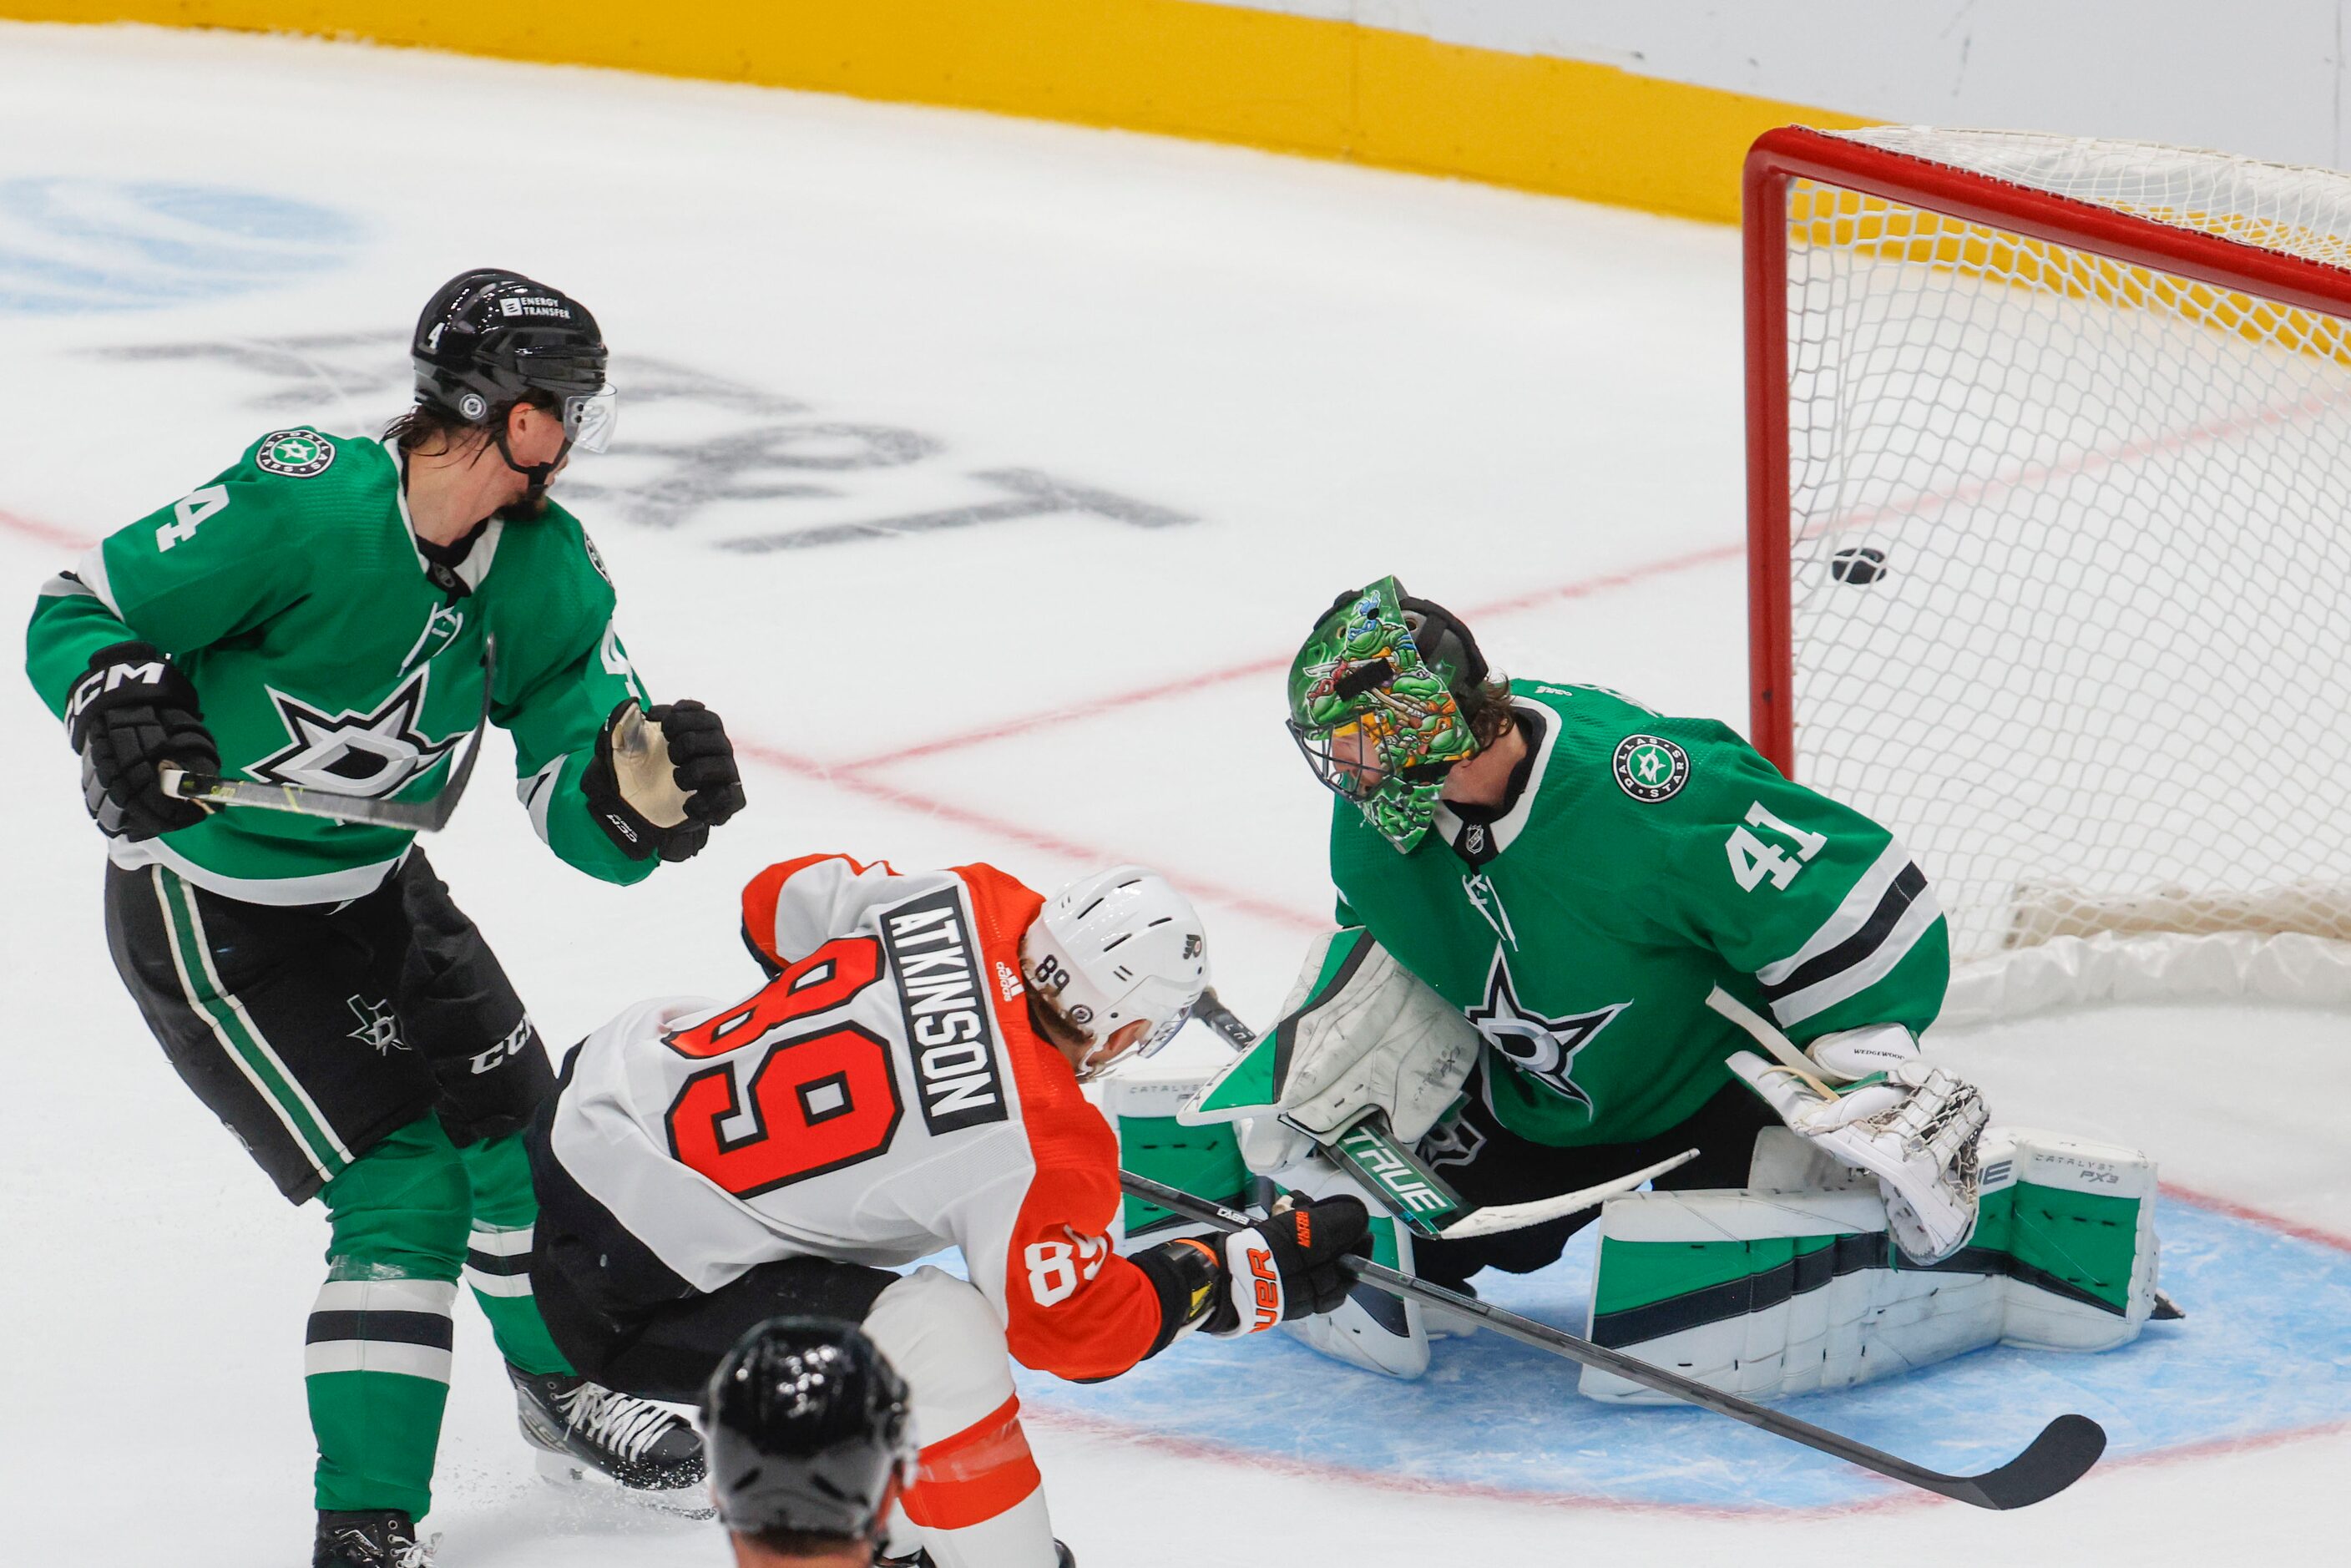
[[2025, 414]]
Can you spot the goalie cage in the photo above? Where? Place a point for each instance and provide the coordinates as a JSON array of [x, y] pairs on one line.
[[2049, 545]]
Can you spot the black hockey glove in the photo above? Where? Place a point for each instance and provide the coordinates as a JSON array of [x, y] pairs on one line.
[[130, 714], [663, 779], [1288, 1267], [704, 760]]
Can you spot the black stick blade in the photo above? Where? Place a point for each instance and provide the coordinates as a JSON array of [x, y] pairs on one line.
[[2054, 1461]]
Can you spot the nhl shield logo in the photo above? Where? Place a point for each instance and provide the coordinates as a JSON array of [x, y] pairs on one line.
[[297, 454], [1650, 768]]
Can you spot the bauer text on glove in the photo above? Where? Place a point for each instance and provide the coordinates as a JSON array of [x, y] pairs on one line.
[[1288, 1267]]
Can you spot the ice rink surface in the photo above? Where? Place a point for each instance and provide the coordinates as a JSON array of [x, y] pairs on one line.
[[984, 475]]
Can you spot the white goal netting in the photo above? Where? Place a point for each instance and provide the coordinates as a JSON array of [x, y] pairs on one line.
[[2071, 568]]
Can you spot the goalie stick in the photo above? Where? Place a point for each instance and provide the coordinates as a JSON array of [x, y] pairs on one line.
[[2060, 1456], [416, 816]]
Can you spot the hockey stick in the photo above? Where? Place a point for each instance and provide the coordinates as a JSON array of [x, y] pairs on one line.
[[1425, 1201], [415, 816], [2059, 1456], [1211, 1010]]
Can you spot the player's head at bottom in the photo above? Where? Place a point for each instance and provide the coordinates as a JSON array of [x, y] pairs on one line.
[[807, 1429], [1113, 963]]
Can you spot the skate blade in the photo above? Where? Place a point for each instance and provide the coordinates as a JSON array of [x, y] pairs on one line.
[[576, 1475]]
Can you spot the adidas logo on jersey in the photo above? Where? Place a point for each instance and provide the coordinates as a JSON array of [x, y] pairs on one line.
[[945, 1007]]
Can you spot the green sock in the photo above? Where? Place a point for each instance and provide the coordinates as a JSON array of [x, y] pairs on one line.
[[498, 1253]]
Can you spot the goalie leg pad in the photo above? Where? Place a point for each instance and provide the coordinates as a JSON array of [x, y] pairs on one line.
[[1763, 1293], [1141, 1103], [1369, 1329]]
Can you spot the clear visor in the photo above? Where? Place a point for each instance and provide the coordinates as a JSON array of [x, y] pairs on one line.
[[1152, 1045], [589, 419]]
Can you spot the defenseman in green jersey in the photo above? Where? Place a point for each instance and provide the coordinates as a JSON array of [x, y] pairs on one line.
[[319, 614], [1575, 877]]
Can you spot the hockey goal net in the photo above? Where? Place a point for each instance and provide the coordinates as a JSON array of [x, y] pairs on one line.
[[2050, 527]]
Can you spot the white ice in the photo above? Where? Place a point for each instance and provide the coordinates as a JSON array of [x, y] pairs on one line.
[[1526, 407]]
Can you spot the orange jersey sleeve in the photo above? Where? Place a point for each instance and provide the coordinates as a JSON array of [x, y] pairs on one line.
[[1073, 1307]]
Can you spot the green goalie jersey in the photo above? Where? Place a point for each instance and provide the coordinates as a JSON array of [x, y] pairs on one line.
[[1644, 861], [290, 592]]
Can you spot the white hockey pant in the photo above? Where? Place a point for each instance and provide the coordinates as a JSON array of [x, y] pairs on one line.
[[978, 1500]]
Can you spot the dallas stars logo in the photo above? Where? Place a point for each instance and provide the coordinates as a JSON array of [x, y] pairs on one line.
[[1650, 768], [1542, 1047], [297, 454], [370, 753], [379, 1026]]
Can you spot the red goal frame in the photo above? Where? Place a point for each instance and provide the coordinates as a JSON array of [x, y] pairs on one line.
[[1793, 152]]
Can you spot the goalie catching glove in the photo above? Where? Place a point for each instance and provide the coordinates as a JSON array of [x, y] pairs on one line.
[[1913, 1125], [1286, 1266], [663, 777]]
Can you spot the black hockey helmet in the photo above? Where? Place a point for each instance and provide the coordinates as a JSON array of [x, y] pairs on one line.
[[806, 1427], [488, 337]]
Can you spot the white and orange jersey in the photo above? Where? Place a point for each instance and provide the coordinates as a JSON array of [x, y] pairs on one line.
[[883, 1097]]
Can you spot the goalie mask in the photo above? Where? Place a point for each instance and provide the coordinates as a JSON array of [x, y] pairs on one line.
[[1375, 704], [1114, 948]]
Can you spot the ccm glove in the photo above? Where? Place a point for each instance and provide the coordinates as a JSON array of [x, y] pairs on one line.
[[1288, 1267], [130, 714], [663, 779]]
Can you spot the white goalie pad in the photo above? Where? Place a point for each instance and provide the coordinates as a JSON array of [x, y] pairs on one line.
[[1767, 1290], [1358, 1031], [1371, 1329]]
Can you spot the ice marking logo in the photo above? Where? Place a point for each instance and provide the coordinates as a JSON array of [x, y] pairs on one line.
[[1650, 768], [297, 454], [1543, 1046]]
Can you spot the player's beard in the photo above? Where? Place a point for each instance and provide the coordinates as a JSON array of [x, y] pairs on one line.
[[532, 505]]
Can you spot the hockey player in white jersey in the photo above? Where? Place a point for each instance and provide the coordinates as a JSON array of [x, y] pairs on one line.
[[906, 1082]]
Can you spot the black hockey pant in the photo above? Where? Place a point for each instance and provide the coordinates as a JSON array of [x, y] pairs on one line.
[[352, 1048]]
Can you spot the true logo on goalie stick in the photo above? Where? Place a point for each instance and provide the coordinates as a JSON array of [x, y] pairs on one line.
[[297, 454], [1650, 768], [944, 1001]]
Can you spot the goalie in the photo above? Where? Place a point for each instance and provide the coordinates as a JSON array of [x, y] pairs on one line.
[[1566, 925]]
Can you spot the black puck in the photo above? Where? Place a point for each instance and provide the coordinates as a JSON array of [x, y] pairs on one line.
[[1858, 566]]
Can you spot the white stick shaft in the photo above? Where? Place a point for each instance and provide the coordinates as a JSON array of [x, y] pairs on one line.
[[1518, 1216]]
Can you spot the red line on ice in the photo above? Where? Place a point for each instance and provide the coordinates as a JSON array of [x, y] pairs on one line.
[[852, 778], [2261, 1217], [47, 533], [1583, 588]]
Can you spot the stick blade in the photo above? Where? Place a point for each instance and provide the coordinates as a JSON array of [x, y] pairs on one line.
[[2053, 1461]]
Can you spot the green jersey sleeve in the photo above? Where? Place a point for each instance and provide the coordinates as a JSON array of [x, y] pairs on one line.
[[561, 671], [1823, 907], [211, 565]]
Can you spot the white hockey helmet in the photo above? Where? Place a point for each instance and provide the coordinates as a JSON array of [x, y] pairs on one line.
[[1114, 948]]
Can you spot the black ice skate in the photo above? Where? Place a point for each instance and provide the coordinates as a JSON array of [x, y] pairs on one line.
[[370, 1539], [581, 1427]]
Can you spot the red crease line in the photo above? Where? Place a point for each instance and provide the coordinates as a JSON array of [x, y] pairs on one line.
[[2253, 1216]]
